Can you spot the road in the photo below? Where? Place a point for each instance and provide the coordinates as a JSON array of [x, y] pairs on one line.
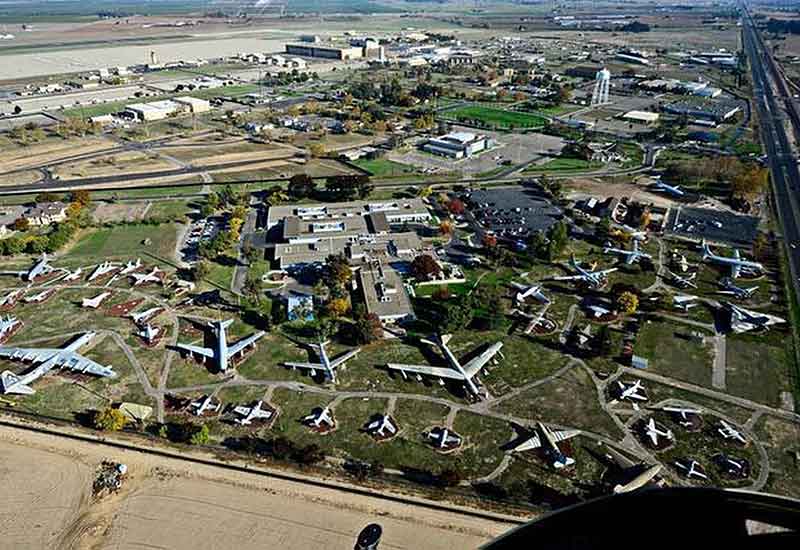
[[782, 159]]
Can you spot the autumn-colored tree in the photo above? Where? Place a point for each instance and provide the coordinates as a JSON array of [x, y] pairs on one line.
[[456, 207], [21, 224], [424, 192], [316, 150], [424, 267], [627, 303], [446, 227], [441, 293], [109, 419], [489, 241], [338, 307]]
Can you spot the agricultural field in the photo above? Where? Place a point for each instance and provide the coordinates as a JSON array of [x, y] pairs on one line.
[[494, 118]]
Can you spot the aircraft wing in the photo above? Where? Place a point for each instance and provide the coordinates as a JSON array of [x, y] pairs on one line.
[[197, 350], [242, 410], [37, 355], [241, 344], [79, 363], [561, 435], [344, 357], [735, 270], [605, 271], [427, 370], [533, 443], [310, 366], [653, 437], [478, 362], [568, 277]]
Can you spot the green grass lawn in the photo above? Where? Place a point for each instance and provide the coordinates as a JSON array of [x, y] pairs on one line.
[[491, 116], [382, 168], [564, 164], [672, 352], [126, 241], [756, 370]]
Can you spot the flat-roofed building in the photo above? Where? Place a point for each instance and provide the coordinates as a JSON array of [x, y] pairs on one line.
[[457, 145], [193, 104], [384, 293], [344, 53], [45, 213], [642, 117]]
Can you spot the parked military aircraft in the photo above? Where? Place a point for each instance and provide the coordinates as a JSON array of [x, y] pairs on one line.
[[254, 412], [529, 291], [548, 439], [103, 269], [631, 256], [7, 325], [683, 415], [149, 333], [383, 426], [39, 297], [145, 315], [691, 468], [130, 267], [631, 392], [683, 282], [652, 431], [12, 297], [634, 475], [729, 432], [48, 359], [685, 302], [326, 365], [444, 438], [40, 268], [732, 466], [594, 279], [222, 353], [318, 417], [736, 263], [141, 278], [203, 404], [72, 275], [455, 370], [729, 288], [95, 302], [744, 320], [674, 190]]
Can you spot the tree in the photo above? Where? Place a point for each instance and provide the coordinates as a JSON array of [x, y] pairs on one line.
[[197, 434], [489, 241], [441, 293], [81, 196], [316, 150], [424, 192], [201, 270], [446, 227], [109, 419], [559, 239], [425, 268], [47, 196], [301, 186], [21, 224], [348, 186], [627, 303], [367, 327], [456, 207], [338, 307]]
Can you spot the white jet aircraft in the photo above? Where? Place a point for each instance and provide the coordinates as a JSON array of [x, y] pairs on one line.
[[674, 190], [628, 468], [455, 370], [632, 391], [130, 267], [222, 352], [547, 438], [12, 297], [443, 438], [318, 417], [631, 256], [691, 468], [730, 288], [205, 403], [729, 432], [95, 302], [103, 269], [594, 279], [141, 278], [72, 275], [149, 333], [7, 325], [683, 414], [145, 315], [48, 359], [685, 302], [41, 267], [736, 263], [381, 425], [683, 282], [326, 365], [40, 297], [654, 432], [529, 291], [248, 414]]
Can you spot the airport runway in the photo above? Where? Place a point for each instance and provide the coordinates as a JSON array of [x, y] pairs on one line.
[[782, 160]]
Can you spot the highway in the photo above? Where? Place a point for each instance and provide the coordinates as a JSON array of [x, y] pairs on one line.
[[782, 158]]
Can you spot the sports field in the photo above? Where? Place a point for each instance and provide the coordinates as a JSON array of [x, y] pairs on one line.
[[492, 117]]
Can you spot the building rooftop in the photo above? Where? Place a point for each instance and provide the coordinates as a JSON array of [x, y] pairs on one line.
[[384, 293]]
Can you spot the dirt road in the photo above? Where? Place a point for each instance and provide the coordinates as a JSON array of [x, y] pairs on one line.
[[168, 503]]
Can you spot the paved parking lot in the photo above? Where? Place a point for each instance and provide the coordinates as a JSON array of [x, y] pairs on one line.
[[713, 225]]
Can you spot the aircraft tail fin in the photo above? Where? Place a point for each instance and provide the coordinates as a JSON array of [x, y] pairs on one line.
[[13, 384], [706, 250]]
